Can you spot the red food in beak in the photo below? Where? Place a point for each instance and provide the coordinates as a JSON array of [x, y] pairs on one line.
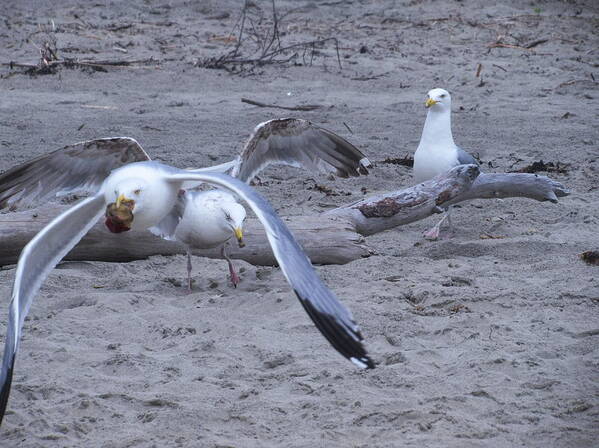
[[119, 218], [115, 225]]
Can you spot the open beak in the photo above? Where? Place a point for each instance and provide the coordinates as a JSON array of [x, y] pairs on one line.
[[430, 102], [239, 235]]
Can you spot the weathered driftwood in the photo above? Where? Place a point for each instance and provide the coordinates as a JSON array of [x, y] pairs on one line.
[[325, 240], [514, 185], [464, 182], [382, 212], [334, 237]]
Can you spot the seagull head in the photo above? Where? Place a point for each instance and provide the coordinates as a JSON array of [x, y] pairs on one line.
[[126, 199], [233, 217], [438, 100]]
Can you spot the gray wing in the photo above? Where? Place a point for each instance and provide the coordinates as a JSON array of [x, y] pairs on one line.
[[298, 143], [333, 320], [465, 159], [37, 259], [77, 168], [226, 167], [167, 227]]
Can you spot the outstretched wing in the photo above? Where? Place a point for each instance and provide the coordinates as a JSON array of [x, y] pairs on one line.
[[299, 143], [333, 320], [78, 168], [37, 259]]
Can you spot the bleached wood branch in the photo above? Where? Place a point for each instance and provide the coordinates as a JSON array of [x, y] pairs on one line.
[[325, 240], [334, 237], [378, 213], [462, 183]]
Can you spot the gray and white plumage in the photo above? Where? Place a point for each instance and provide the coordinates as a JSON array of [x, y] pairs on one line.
[[80, 168], [299, 143], [437, 151], [154, 188], [206, 207], [287, 141], [203, 220]]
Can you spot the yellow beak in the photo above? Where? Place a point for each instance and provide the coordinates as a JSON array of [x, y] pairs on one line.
[[239, 235], [120, 199], [430, 102]]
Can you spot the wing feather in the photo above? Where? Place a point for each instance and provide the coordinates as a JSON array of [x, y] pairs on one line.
[[333, 319], [299, 143], [465, 158], [37, 259], [78, 168], [168, 226]]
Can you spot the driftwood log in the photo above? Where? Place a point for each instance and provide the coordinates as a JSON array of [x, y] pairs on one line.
[[333, 237], [462, 183], [325, 240]]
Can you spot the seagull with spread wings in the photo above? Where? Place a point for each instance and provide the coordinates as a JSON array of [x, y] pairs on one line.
[[140, 195], [199, 219]]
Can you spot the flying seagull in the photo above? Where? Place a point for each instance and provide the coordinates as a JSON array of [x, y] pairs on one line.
[[139, 195], [199, 219], [437, 152]]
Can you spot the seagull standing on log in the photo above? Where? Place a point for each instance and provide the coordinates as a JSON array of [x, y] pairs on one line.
[[437, 152]]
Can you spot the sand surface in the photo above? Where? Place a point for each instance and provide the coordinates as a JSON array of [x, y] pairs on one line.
[[480, 342]]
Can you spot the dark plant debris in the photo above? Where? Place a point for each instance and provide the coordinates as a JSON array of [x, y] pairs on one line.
[[257, 45], [51, 67], [327, 190], [590, 257], [406, 160], [549, 167]]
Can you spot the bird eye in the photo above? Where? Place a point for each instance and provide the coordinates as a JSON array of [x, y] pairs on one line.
[[227, 216], [442, 95], [136, 192]]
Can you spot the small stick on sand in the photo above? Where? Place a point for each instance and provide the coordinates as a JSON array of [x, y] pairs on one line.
[[479, 68], [307, 107]]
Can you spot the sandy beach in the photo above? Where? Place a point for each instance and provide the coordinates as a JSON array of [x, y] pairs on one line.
[[487, 338]]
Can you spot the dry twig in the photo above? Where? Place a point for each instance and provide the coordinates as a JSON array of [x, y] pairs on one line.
[[269, 49], [49, 66], [307, 107]]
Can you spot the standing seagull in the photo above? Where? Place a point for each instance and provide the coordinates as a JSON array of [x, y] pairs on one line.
[[199, 220], [207, 219], [203, 220], [139, 195], [437, 152]]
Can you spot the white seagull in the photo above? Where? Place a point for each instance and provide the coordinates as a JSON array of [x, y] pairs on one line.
[[199, 220], [287, 141], [203, 220], [437, 152], [139, 195]]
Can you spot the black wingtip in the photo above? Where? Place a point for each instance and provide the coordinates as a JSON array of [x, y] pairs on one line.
[[347, 342], [5, 392], [369, 363]]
